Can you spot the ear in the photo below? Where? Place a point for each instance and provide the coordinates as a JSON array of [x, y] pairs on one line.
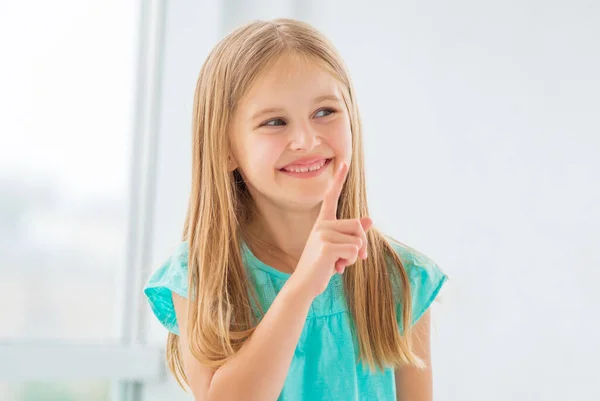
[[231, 163]]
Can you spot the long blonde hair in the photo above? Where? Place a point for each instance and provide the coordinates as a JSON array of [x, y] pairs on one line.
[[220, 316]]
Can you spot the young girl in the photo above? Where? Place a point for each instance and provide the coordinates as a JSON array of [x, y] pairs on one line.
[[281, 289]]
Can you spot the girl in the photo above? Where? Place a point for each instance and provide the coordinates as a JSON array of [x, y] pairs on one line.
[[281, 289]]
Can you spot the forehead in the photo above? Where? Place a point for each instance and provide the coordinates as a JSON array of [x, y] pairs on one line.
[[291, 78]]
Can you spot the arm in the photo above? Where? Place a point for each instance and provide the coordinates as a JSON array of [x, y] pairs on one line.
[[258, 370], [413, 384], [199, 376]]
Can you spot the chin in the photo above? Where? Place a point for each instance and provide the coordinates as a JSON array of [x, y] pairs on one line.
[[309, 199], [304, 201]]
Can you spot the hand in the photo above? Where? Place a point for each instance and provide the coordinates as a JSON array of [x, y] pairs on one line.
[[332, 244]]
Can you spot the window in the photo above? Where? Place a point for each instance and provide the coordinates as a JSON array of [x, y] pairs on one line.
[[64, 164], [70, 123]]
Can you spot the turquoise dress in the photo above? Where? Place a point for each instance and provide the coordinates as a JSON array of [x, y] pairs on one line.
[[324, 364]]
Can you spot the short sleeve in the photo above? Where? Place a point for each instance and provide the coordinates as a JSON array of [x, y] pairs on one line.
[[171, 276], [425, 277]]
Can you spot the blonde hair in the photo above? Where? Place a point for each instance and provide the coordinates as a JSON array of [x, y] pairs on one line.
[[220, 317]]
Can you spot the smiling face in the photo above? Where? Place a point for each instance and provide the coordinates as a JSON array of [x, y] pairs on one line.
[[290, 132]]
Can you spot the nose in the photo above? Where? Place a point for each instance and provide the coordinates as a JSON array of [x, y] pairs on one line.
[[304, 137]]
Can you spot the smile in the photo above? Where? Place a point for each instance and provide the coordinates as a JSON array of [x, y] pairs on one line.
[[307, 171]]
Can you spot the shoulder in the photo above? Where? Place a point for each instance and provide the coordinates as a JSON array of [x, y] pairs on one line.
[[425, 276], [171, 277], [172, 272], [411, 257]]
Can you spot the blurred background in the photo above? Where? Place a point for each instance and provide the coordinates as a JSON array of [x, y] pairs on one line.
[[482, 139]]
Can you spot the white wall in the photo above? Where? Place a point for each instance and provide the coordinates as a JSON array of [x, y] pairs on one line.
[[481, 126]]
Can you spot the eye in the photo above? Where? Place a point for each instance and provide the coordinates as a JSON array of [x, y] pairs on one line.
[[276, 122], [325, 111]]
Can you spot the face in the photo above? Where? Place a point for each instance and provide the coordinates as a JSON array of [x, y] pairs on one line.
[[289, 134]]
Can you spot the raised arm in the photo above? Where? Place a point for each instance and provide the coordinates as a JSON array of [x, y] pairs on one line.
[[258, 370]]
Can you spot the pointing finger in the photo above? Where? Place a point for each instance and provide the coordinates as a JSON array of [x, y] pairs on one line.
[[332, 196]]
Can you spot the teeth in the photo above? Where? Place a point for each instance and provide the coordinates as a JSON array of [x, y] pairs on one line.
[[306, 169]]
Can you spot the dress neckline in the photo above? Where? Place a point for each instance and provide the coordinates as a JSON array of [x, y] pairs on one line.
[[259, 264]]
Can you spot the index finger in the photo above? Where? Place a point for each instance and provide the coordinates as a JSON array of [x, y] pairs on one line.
[[332, 196]]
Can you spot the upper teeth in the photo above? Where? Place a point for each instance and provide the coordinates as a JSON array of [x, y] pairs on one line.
[[304, 169]]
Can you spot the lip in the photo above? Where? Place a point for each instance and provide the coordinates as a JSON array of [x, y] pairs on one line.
[[305, 161]]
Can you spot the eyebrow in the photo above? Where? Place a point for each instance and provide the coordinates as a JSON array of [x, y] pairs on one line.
[[318, 99]]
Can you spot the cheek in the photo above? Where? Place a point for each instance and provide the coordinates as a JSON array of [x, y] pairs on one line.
[[266, 151], [339, 137]]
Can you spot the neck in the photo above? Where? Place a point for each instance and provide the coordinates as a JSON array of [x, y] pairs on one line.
[[284, 231]]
